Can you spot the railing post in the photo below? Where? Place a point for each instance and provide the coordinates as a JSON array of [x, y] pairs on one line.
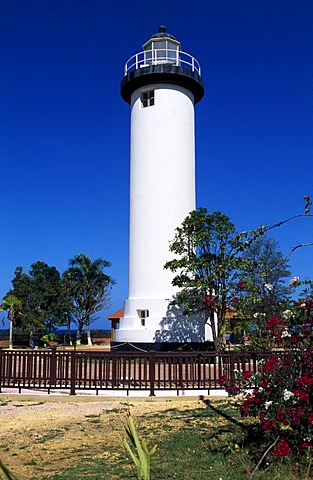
[[200, 357], [180, 370], [114, 371], [53, 366], [152, 373], [73, 371], [231, 364]]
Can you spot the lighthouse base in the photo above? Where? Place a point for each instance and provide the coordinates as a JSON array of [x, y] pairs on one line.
[[162, 347], [163, 324]]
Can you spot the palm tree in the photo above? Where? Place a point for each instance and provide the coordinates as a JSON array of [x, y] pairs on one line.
[[88, 288], [13, 305]]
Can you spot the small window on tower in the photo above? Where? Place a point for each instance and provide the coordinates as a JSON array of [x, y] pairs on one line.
[[143, 315], [147, 99]]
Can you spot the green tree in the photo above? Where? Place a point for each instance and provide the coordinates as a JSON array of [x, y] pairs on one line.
[[207, 266], [88, 290], [13, 306], [44, 303], [262, 290]]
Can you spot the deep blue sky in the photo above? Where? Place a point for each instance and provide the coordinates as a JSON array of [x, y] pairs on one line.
[[64, 129]]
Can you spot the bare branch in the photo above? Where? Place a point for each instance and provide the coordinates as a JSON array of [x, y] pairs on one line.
[[263, 456], [270, 227]]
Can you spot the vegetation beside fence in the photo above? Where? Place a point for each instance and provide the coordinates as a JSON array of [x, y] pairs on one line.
[[25, 340]]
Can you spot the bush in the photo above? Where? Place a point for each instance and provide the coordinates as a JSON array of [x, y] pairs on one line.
[[280, 394], [49, 337]]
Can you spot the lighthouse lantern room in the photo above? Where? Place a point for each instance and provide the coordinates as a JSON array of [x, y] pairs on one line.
[[161, 84]]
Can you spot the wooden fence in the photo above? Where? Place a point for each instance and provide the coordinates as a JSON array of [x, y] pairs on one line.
[[79, 370]]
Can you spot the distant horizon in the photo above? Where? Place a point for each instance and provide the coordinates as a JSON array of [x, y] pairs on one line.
[[66, 330]]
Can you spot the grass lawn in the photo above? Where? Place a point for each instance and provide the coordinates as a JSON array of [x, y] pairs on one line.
[[197, 444]]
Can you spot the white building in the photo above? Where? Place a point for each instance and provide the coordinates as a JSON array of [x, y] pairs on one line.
[[162, 84]]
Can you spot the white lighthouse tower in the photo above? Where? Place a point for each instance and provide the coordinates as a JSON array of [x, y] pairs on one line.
[[161, 84]]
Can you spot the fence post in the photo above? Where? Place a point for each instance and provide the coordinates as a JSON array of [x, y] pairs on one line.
[[114, 371], [53, 367], [73, 371], [152, 373], [200, 358], [231, 364], [180, 371]]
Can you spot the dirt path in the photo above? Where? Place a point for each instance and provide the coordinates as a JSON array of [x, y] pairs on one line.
[[41, 437]]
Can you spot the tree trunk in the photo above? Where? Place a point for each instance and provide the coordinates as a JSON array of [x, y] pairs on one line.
[[89, 341], [79, 336], [11, 335]]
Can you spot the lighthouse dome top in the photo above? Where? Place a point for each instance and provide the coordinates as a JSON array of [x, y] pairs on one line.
[[163, 33], [162, 61]]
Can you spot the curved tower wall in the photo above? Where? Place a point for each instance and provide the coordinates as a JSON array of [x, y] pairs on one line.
[[162, 185], [162, 193]]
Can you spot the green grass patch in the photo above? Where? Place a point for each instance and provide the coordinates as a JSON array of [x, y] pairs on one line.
[[198, 444]]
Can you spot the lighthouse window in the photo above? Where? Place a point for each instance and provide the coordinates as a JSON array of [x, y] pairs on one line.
[[143, 315], [147, 99]]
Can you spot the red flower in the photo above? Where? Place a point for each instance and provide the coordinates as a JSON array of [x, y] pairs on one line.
[[282, 449], [279, 416], [294, 339], [310, 419], [229, 385], [267, 425], [271, 364], [297, 414], [241, 283], [305, 445], [306, 381], [209, 301], [275, 323], [309, 304], [303, 396], [247, 374], [265, 385]]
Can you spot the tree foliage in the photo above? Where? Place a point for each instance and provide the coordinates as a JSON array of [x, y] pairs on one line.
[[262, 290], [44, 304], [208, 261], [49, 300], [87, 288], [13, 306]]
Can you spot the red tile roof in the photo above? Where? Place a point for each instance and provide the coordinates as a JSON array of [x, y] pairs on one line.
[[118, 314]]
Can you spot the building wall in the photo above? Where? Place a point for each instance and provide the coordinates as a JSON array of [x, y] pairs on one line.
[[162, 193]]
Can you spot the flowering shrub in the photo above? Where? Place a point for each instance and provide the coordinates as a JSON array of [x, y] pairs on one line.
[[280, 394]]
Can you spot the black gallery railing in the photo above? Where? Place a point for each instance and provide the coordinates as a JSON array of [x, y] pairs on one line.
[[79, 370]]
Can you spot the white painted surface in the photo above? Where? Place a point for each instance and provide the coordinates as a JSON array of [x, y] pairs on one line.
[[162, 193], [117, 393]]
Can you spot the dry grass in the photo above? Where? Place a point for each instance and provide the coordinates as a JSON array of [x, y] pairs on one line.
[[41, 438]]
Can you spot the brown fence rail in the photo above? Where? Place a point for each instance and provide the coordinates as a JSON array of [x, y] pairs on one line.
[[79, 370]]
